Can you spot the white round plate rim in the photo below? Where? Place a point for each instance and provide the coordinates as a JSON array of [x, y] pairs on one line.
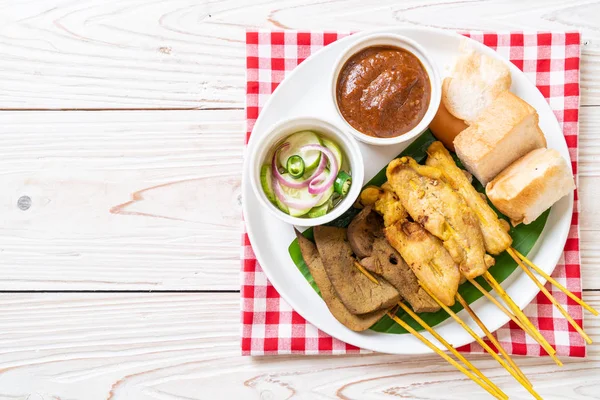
[[268, 241]]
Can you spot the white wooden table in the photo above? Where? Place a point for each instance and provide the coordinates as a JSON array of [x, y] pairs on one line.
[[121, 131]]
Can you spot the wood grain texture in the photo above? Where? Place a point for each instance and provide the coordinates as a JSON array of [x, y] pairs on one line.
[[176, 347], [98, 54], [150, 200], [120, 200], [124, 200]]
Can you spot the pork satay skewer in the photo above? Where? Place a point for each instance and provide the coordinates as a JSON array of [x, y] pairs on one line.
[[408, 237], [444, 213], [426, 208], [451, 348], [493, 390], [431, 262], [402, 233], [555, 283], [426, 257], [486, 384], [487, 348], [495, 235], [550, 297]]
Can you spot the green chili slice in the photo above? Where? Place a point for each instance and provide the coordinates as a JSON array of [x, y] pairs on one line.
[[342, 183], [295, 166]]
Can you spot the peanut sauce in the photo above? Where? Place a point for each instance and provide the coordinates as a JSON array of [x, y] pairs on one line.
[[383, 91]]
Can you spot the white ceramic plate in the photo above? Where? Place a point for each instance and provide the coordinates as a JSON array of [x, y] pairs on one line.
[[306, 92]]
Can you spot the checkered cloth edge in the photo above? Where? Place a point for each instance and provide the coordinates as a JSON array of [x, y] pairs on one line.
[[548, 59]]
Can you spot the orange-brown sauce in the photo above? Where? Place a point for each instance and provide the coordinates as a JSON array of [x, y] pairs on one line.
[[383, 91]]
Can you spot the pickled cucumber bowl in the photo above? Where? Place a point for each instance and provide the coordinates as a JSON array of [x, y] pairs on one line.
[[306, 171]]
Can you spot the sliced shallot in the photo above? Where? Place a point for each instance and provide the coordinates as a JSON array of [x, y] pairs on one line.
[[296, 183], [321, 183]]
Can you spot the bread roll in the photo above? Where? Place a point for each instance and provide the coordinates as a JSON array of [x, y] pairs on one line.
[[505, 131], [531, 185], [476, 81], [446, 127]]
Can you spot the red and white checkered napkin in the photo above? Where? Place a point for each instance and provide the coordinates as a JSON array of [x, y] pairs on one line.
[[550, 60]]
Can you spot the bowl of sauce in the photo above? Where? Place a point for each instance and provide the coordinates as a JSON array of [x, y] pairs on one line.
[[386, 88]]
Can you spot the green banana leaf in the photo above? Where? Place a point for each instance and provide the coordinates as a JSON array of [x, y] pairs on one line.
[[524, 238]]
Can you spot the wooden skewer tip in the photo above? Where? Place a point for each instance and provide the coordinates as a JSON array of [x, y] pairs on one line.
[[509, 301], [566, 291], [451, 348], [550, 297], [491, 337], [532, 331], [446, 357], [487, 348]]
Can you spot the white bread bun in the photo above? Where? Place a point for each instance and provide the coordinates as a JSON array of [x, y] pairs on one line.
[[446, 127], [505, 131], [531, 185], [475, 82]]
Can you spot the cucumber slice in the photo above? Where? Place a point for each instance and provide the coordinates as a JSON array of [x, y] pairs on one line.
[[297, 213], [335, 149], [281, 206], [297, 140], [319, 211], [266, 181], [296, 194]]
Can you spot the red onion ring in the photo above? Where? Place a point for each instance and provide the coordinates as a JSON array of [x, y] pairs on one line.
[[297, 204], [316, 185], [295, 183]]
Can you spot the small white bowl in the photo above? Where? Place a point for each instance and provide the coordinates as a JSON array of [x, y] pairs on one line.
[[388, 39], [278, 132]]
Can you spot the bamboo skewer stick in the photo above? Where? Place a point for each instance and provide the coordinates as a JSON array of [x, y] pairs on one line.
[[555, 283], [365, 272], [515, 308], [446, 357], [443, 341], [491, 298], [491, 337], [550, 297], [535, 334], [509, 301], [482, 343]]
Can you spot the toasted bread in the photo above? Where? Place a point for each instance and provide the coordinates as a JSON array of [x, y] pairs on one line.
[[531, 185], [476, 81], [505, 131]]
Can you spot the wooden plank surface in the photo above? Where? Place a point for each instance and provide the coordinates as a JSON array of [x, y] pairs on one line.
[[100, 54], [182, 229], [121, 200], [176, 347], [149, 200]]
